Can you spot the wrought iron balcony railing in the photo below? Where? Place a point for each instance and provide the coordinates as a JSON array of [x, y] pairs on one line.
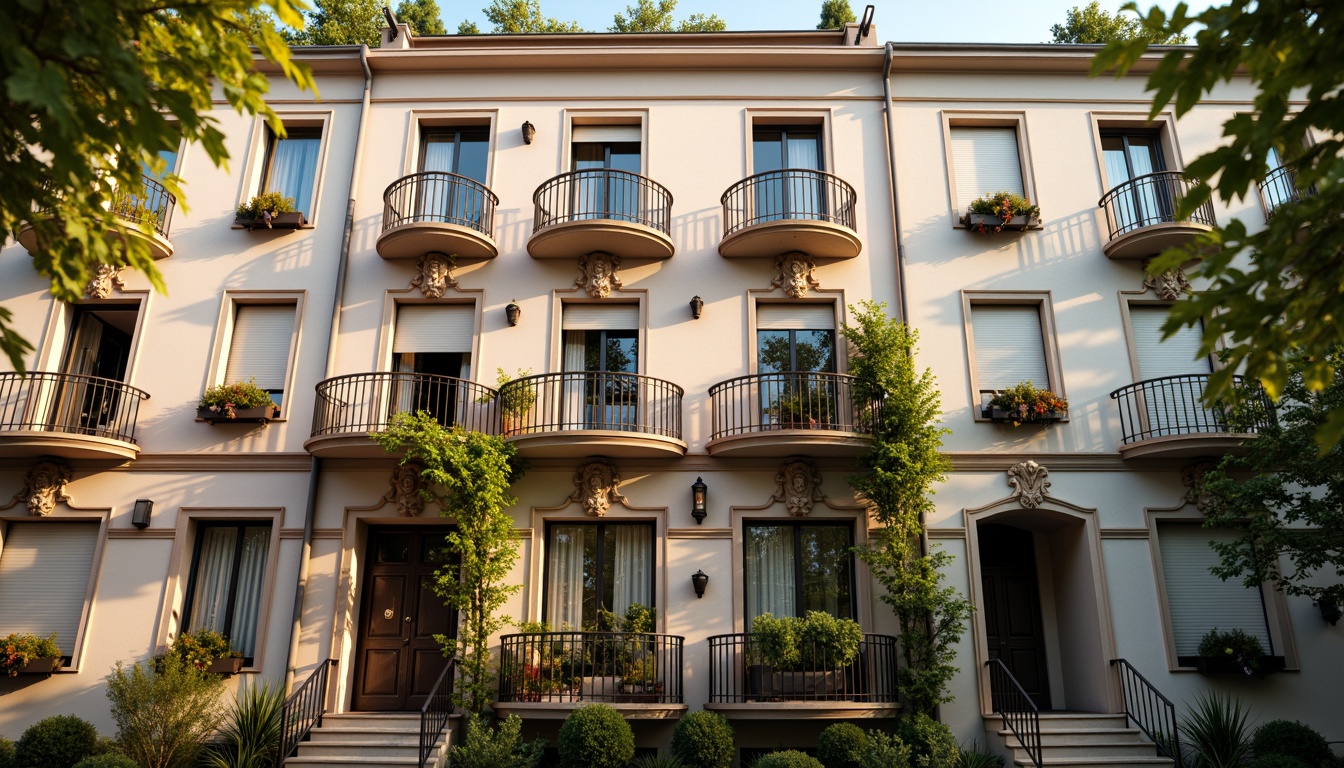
[[1279, 188], [361, 403], [602, 194], [1149, 200], [439, 197], [791, 194], [792, 400], [1174, 406], [69, 403], [610, 667], [739, 673], [590, 400]]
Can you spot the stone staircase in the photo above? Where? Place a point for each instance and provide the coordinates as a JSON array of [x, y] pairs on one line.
[[1082, 740], [368, 738]]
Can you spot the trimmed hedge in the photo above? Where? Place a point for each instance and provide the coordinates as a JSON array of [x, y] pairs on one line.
[[842, 746], [107, 760], [59, 741], [1293, 739], [596, 736], [703, 739], [931, 742], [789, 758]]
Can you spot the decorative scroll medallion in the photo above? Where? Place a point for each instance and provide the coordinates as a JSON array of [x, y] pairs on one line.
[[1029, 482], [597, 487], [599, 274], [103, 279], [435, 275], [405, 489], [794, 275], [43, 486], [798, 485]]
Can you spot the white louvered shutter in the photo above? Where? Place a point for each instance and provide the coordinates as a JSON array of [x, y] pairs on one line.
[[1009, 346], [262, 334], [44, 578], [1173, 357], [600, 317], [784, 317], [1197, 600], [606, 134], [430, 328], [986, 161]]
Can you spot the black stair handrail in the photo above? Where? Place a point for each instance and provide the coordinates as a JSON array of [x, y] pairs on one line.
[[438, 708], [303, 710], [1018, 711], [1147, 708]]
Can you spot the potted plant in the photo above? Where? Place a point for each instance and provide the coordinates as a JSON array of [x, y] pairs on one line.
[[239, 402], [23, 653], [516, 399], [270, 210], [1235, 652], [208, 650], [792, 657], [994, 212], [1026, 404]]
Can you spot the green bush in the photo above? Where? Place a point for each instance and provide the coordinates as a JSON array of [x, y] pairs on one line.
[[842, 746], [500, 747], [252, 732], [1291, 738], [272, 202], [6, 753], [108, 760], [1273, 760], [789, 758], [656, 761], [885, 751], [596, 736], [825, 642], [974, 756], [1217, 731], [931, 742], [164, 710], [57, 742], [703, 739]]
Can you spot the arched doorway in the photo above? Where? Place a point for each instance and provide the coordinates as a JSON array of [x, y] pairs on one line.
[[1011, 603]]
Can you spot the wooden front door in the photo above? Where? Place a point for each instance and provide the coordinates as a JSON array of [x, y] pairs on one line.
[[397, 660], [1012, 607]]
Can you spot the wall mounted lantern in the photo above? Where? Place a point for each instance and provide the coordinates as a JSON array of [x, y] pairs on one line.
[[140, 514], [698, 501], [513, 312], [529, 132], [699, 580], [697, 306], [1329, 610]]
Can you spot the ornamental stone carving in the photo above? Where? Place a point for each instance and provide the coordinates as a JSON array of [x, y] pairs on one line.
[[793, 275], [104, 278], [43, 486], [598, 276], [1029, 482], [1192, 477], [1169, 285], [798, 485], [405, 489], [597, 487], [435, 275]]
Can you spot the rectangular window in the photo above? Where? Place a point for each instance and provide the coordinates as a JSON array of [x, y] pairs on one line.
[[228, 572], [1172, 402], [1198, 601], [1008, 344], [599, 341], [1129, 155], [461, 152], [260, 346], [45, 568], [795, 355], [432, 355], [593, 567], [790, 157], [609, 160], [793, 568], [985, 160], [291, 166], [97, 353]]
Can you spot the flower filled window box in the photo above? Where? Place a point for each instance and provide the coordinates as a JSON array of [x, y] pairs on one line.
[[208, 650], [242, 402], [1026, 404], [1219, 665], [269, 210], [228, 666], [1234, 653], [22, 653], [1000, 211]]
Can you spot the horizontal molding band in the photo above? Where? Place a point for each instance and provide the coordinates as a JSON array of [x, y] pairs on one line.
[[699, 533]]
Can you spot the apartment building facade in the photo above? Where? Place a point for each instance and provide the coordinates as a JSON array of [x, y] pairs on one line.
[[657, 237]]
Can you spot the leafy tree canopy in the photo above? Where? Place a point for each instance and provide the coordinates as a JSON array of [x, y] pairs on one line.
[[468, 28], [343, 22], [422, 16], [94, 89], [651, 16], [1091, 24], [520, 16], [835, 14], [1280, 288]]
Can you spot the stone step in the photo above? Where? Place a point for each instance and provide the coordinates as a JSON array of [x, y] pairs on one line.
[[346, 733], [365, 748], [1082, 735], [1097, 762], [368, 739], [1095, 749]]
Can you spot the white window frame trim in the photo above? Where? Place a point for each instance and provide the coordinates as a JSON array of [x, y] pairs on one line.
[[986, 119], [1044, 302], [254, 171], [228, 311]]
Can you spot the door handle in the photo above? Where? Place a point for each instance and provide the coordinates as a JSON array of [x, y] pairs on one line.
[[407, 619], [405, 641]]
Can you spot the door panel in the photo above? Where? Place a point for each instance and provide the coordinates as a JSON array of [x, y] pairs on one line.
[[1012, 607]]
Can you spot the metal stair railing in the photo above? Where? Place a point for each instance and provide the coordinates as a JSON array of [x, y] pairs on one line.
[[1147, 708], [438, 708], [1016, 708], [303, 710]]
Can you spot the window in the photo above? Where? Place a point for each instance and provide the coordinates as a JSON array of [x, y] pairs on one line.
[[432, 349], [169, 158], [792, 568], [591, 567], [795, 353], [985, 160], [1173, 403], [460, 151], [1010, 343], [1198, 601], [228, 572], [790, 155], [260, 346], [1129, 155], [291, 166], [600, 340], [45, 568], [97, 352], [598, 193]]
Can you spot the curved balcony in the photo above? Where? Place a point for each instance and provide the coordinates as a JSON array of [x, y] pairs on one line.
[[348, 408], [149, 208], [794, 209], [1279, 188], [1166, 418], [1141, 216], [601, 209], [437, 211], [592, 413], [742, 686], [68, 415], [782, 414], [549, 674]]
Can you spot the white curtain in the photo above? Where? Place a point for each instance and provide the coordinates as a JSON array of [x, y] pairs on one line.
[[564, 577], [574, 415], [769, 571], [251, 575], [293, 170], [214, 572], [633, 567]]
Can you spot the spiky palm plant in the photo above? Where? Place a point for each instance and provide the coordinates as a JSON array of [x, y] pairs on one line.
[[1217, 732]]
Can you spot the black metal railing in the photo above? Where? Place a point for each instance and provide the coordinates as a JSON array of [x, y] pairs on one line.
[[1018, 711], [70, 403], [303, 709], [360, 403], [1174, 405], [791, 194], [151, 205], [792, 400], [600, 400], [1279, 187], [1147, 708], [437, 709], [739, 673], [611, 667], [436, 196], [602, 193], [1148, 200]]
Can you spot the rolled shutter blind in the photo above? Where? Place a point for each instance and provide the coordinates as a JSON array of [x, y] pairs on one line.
[[784, 317], [1009, 347], [429, 328], [1197, 600], [606, 133], [1172, 357], [260, 347], [600, 317], [986, 161], [44, 576]]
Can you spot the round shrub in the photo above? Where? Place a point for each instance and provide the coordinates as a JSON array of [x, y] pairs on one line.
[[789, 758], [57, 742], [703, 739], [1277, 761], [1291, 738], [107, 760], [596, 736], [6, 753], [842, 746], [931, 742]]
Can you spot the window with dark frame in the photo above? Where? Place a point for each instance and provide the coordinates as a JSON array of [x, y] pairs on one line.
[[228, 571], [291, 166], [791, 568], [596, 567]]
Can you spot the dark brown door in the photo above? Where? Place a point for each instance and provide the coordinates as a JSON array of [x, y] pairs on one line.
[[397, 660], [1012, 607]]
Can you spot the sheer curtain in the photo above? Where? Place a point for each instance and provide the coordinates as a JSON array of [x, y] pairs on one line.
[[293, 169], [564, 577], [434, 195], [804, 192], [251, 575], [771, 587], [573, 415], [633, 567], [214, 573]]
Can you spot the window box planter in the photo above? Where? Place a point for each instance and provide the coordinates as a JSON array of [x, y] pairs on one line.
[[291, 220], [765, 682], [1221, 665], [43, 667], [228, 667], [1003, 416], [262, 414], [989, 224]]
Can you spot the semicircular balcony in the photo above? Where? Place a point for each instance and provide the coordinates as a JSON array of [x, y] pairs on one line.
[[794, 209], [1279, 188], [601, 209], [68, 415], [624, 415], [442, 212], [1141, 216], [1167, 417], [782, 414], [149, 209], [348, 409]]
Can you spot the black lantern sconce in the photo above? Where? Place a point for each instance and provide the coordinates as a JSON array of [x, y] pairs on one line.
[[513, 312], [698, 503], [140, 514], [699, 580], [1329, 610], [529, 132], [697, 307]]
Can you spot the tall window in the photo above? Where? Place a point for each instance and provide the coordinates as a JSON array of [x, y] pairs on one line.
[[795, 349], [259, 347], [601, 340], [291, 166], [225, 589], [1175, 404], [98, 351], [787, 154], [432, 347], [985, 160], [1129, 155], [592, 567], [461, 151], [600, 195], [793, 568], [1198, 601], [45, 569], [1009, 348]]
